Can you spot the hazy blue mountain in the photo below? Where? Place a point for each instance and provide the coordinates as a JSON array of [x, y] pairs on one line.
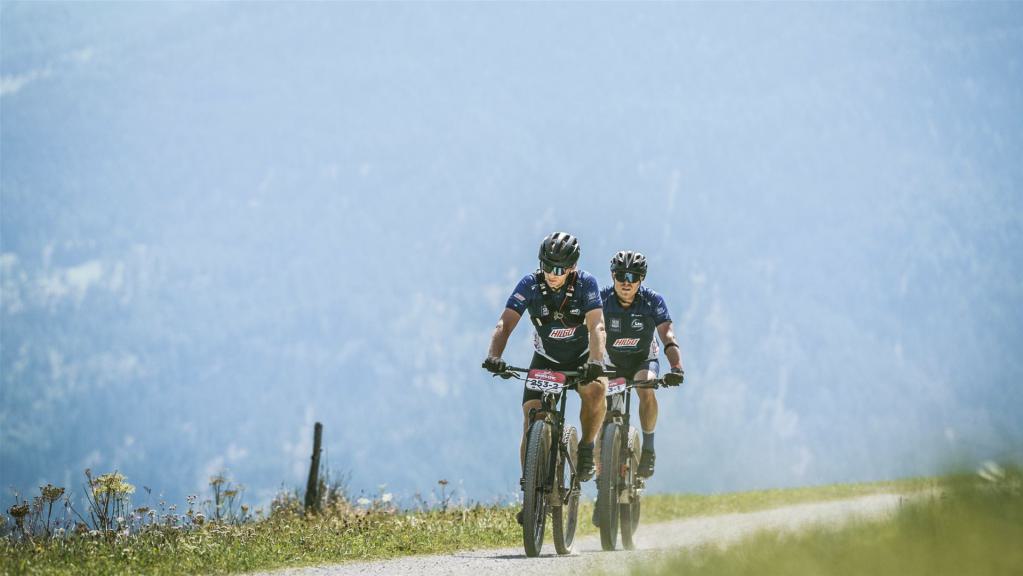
[[223, 222]]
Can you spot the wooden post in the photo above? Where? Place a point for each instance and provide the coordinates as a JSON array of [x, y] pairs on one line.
[[312, 489]]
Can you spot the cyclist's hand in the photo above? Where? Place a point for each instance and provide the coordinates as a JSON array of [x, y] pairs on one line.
[[495, 365], [675, 377], [590, 371]]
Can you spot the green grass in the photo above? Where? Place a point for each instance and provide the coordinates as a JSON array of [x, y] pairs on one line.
[[972, 526], [288, 539], [660, 507], [283, 540]]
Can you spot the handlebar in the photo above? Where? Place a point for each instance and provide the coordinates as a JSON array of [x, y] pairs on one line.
[[656, 383], [515, 371], [510, 372]]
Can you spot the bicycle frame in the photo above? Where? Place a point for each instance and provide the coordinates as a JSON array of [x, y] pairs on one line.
[[552, 410], [622, 414], [618, 486]]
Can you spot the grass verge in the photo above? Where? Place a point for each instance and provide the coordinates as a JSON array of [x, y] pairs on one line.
[[972, 525], [289, 539]]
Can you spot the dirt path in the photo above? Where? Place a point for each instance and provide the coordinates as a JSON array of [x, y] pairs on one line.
[[652, 542]]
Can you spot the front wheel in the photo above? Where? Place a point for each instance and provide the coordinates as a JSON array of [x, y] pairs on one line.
[[629, 510], [534, 498], [607, 485], [565, 508]]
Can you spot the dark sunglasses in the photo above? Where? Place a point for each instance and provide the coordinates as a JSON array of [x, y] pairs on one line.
[[551, 269], [626, 276]]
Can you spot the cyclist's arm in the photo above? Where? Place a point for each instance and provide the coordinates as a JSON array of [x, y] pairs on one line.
[[667, 335], [505, 326], [595, 325]]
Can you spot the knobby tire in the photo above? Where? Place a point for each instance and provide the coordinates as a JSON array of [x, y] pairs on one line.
[[565, 509], [534, 500], [629, 511], [607, 485]]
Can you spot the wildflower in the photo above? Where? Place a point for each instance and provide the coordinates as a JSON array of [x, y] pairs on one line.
[[386, 497], [113, 483], [442, 482], [18, 511], [51, 493], [363, 501], [217, 480], [230, 493]]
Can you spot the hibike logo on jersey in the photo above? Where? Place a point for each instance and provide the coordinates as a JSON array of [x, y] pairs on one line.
[[562, 333], [623, 342]]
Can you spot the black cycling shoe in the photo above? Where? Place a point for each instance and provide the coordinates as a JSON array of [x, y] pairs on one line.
[[646, 464], [586, 468], [518, 517]]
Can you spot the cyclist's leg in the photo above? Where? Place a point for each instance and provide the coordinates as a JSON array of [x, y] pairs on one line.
[[647, 370], [594, 404]]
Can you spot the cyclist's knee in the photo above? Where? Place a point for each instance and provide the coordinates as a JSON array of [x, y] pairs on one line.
[[527, 406], [593, 391], [646, 395]]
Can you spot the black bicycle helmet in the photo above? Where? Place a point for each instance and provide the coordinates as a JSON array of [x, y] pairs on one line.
[[629, 261], [559, 249]]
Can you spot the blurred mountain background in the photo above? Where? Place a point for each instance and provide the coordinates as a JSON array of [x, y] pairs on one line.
[[224, 222]]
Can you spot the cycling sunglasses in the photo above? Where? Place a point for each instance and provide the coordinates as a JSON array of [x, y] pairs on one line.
[[626, 276], [551, 269]]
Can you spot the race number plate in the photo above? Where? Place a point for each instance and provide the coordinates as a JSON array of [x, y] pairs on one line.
[[545, 381], [615, 386]]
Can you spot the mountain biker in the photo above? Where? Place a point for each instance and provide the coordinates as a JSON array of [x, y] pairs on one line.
[[631, 313], [561, 299]]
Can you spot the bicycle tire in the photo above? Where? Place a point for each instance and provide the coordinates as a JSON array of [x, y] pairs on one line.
[[629, 511], [607, 486], [565, 510], [534, 499]]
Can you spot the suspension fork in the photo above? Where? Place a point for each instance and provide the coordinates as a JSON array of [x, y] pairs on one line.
[[626, 437]]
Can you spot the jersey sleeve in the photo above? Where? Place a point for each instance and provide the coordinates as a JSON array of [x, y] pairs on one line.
[[590, 293], [660, 309], [520, 297]]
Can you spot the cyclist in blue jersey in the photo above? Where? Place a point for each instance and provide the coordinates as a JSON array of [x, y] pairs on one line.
[[565, 308], [632, 312]]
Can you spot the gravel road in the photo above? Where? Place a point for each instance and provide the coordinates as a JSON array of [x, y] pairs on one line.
[[652, 541]]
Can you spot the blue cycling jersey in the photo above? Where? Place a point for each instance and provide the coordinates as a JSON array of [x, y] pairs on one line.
[[630, 331], [558, 317]]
